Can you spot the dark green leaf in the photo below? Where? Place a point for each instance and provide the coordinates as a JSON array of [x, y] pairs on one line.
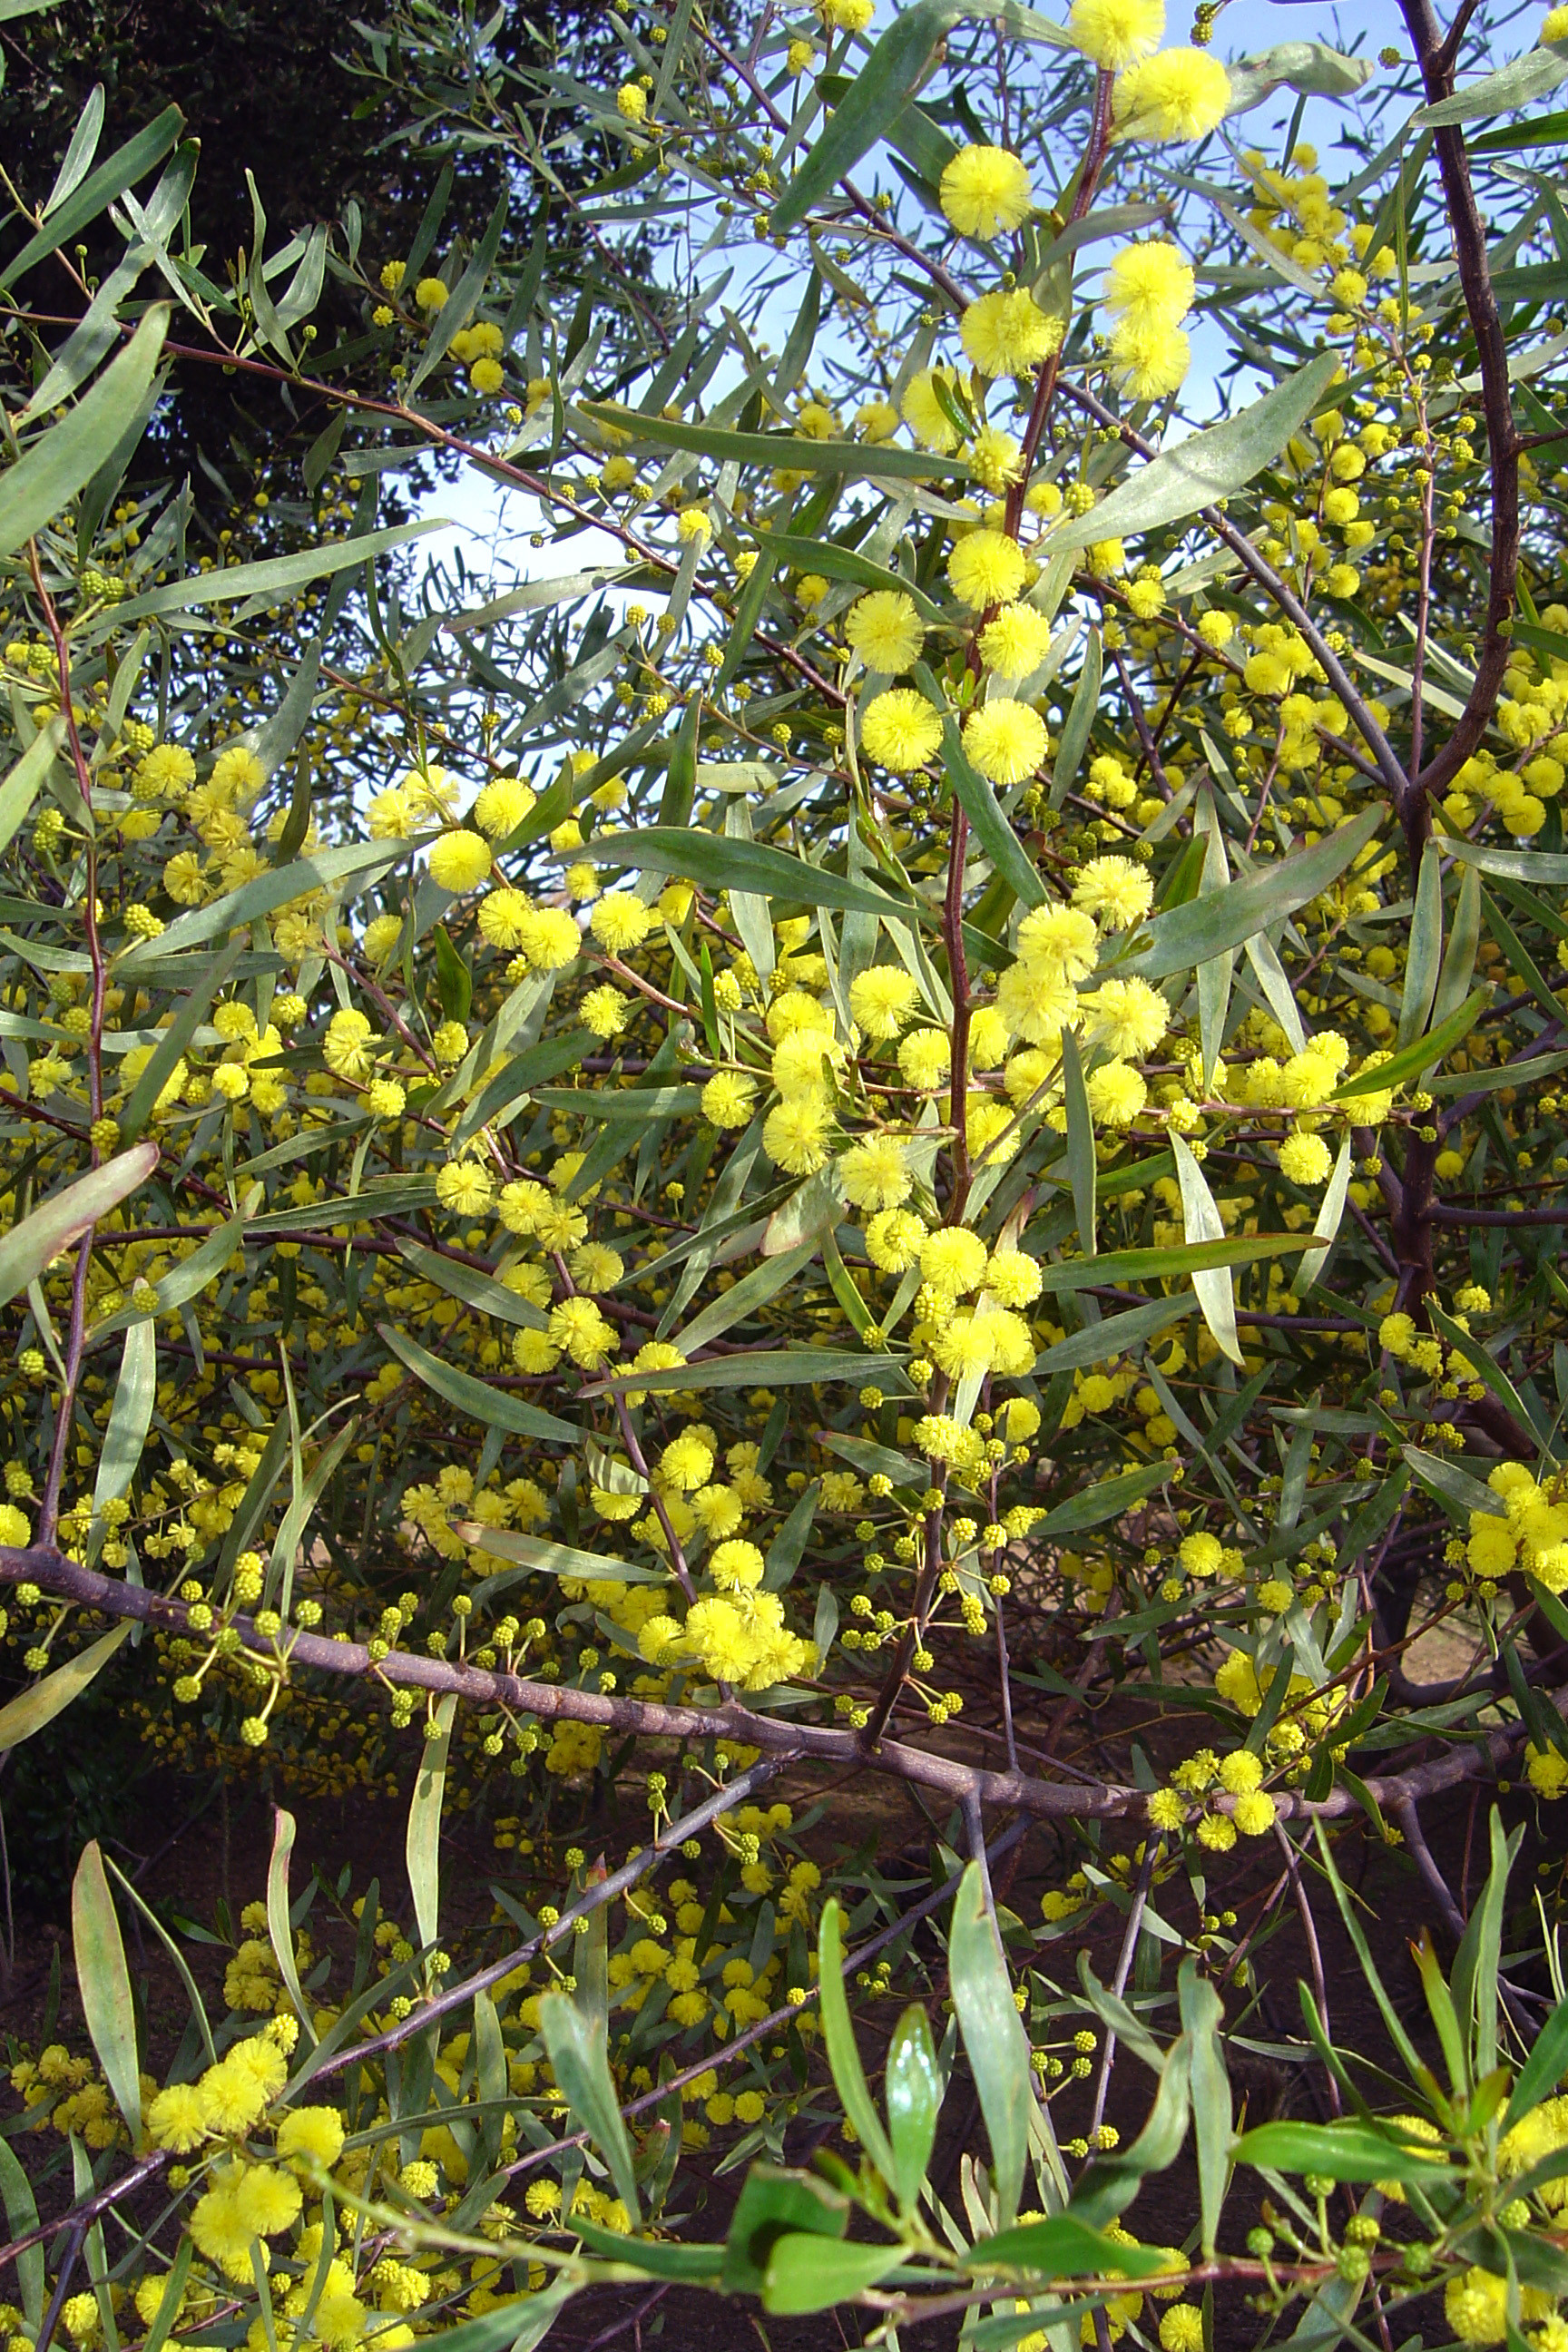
[[582, 2068], [993, 2037]]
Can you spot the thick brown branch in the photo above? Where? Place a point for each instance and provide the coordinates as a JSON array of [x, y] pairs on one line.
[[67, 1580]]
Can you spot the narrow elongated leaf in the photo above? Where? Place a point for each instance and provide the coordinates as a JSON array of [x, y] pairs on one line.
[[473, 1397], [556, 1560], [65, 1216], [860, 460], [272, 577], [1215, 1296], [979, 801], [773, 1368], [1426, 1051], [720, 865], [581, 2069], [1118, 1335], [913, 2086], [1120, 1266], [1075, 734], [1063, 2246], [886, 82], [1184, 936], [1341, 2151], [30, 1710], [1424, 959], [1210, 2086], [843, 2054], [22, 2216], [1092, 1506], [835, 562], [130, 1418], [1082, 1165], [104, 1981], [1209, 466], [1547, 2061], [329, 869], [22, 786], [1459, 961], [993, 2037], [422, 1843], [97, 191], [142, 1099], [1513, 85], [806, 2273], [1329, 1218], [279, 1927], [53, 466]]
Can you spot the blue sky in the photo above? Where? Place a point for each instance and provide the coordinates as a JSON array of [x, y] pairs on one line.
[[492, 524]]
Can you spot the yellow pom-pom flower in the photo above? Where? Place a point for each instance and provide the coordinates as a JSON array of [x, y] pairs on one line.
[[1115, 34], [1115, 890], [1179, 94], [885, 630], [874, 1173], [1006, 741], [900, 729], [985, 189], [987, 567], [1006, 333], [459, 860], [924, 413], [882, 999], [1016, 641]]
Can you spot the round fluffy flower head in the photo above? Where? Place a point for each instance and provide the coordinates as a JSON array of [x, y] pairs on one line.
[[1115, 890], [1062, 938], [311, 2136], [1179, 94], [176, 2120], [893, 1240], [794, 1134], [874, 1173], [620, 921], [924, 415], [1152, 361], [430, 293], [736, 1566], [1008, 333], [606, 1012], [580, 1332], [985, 567], [882, 999], [1475, 2305], [502, 806], [885, 630], [346, 1047], [459, 860], [1005, 740], [985, 189], [1304, 1159], [687, 1460], [1117, 1093], [1116, 34], [1128, 1015], [1181, 2328], [900, 729], [1016, 641], [1555, 24], [1149, 284], [550, 938], [953, 1259], [727, 1100]]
